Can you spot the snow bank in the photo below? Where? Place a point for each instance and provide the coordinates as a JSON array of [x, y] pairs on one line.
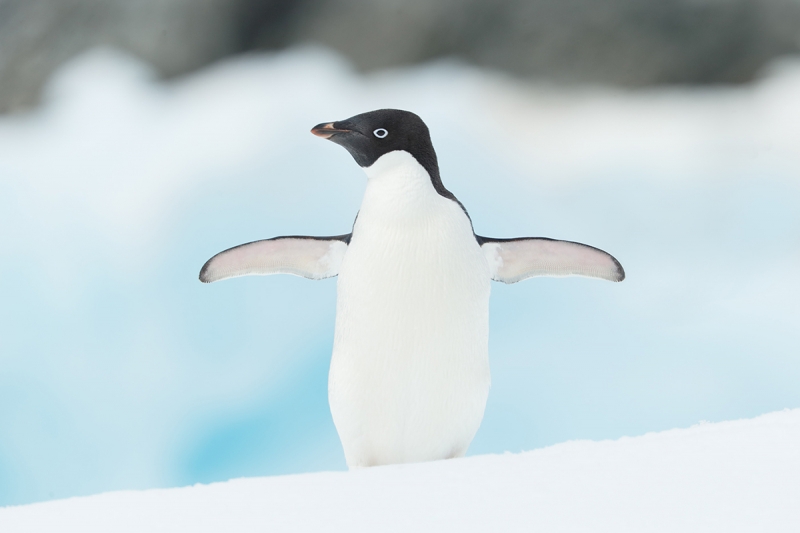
[[728, 476]]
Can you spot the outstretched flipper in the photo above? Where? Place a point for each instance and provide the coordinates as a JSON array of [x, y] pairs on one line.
[[512, 260], [309, 257]]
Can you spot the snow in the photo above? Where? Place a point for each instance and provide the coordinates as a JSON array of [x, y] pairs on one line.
[[120, 370], [725, 477]]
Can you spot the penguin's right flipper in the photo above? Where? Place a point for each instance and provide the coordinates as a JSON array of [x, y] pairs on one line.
[[512, 260], [309, 257]]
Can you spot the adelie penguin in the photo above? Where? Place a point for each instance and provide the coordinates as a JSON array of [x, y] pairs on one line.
[[409, 374]]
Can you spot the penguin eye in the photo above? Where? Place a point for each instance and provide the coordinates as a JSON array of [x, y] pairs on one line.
[[380, 133]]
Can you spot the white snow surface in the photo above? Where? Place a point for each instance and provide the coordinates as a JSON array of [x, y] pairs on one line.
[[728, 476]]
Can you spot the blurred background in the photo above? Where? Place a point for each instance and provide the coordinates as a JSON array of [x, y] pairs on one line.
[[137, 139], [630, 43]]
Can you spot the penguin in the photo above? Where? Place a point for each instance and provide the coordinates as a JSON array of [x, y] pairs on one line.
[[409, 374]]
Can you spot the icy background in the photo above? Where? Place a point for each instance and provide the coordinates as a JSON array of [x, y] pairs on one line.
[[119, 369]]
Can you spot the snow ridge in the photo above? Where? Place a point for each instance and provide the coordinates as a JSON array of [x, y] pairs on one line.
[[730, 476]]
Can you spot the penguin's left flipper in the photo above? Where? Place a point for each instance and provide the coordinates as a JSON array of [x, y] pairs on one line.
[[309, 257], [512, 260]]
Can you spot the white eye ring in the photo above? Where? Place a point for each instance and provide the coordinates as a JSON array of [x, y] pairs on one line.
[[380, 133]]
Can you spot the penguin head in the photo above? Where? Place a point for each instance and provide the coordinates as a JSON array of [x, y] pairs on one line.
[[370, 135]]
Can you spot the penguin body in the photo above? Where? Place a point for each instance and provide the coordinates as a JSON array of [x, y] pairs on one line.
[[410, 368], [409, 374]]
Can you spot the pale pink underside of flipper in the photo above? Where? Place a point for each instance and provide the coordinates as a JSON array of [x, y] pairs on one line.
[[514, 260], [313, 258]]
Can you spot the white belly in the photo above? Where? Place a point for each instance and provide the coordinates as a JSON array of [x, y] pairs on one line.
[[410, 372]]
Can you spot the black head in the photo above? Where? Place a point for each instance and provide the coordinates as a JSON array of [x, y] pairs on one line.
[[370, 135]]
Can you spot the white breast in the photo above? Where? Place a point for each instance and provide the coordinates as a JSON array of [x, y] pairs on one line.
[[410, 373]]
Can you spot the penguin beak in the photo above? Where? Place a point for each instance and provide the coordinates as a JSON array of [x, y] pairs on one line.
[[326, 130]]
